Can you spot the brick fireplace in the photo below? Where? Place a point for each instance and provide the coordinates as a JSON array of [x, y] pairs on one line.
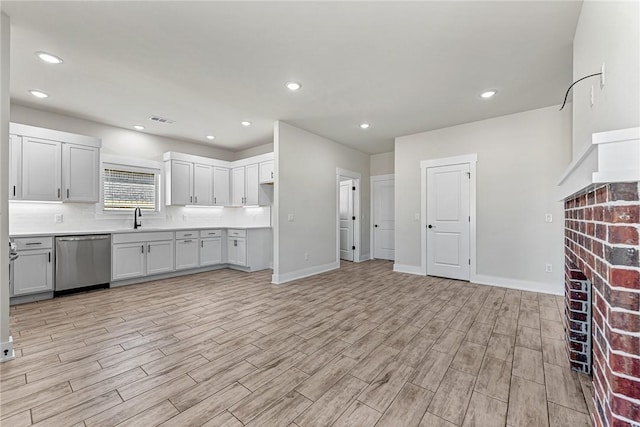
[[602, 296]]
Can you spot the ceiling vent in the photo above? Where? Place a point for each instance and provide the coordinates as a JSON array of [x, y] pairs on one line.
[[159, 119]]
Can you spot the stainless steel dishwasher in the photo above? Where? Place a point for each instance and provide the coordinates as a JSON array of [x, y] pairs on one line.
[[82, 262]]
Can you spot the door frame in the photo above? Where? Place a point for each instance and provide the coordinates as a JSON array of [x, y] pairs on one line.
[[377, 178], [344, 173], [471, 159]]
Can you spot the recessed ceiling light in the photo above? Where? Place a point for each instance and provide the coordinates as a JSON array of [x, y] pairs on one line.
[[488, 94], [49, 58], [245, 123], [138, 127], [293, 86], [38, 94], [211, 137], [364, 126]]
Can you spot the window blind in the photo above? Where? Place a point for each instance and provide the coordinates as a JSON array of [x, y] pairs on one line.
[[130, 189]]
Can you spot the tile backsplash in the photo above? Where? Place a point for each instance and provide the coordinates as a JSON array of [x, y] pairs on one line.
[[28, 217]]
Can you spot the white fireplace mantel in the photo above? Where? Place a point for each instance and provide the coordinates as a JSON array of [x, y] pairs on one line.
[[613, 156]]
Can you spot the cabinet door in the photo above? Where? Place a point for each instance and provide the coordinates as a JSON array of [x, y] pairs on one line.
[[210, 251], [15, 167], [33, 272], [202, 185], [237, 251], [128, 260], [41, 174], [80, 167], [186, 253], [220, 186], [181, 183], [237, 186], [159, 257], [252, 185], [266, 172]]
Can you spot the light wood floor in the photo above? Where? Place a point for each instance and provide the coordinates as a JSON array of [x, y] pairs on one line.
[[360, 346]]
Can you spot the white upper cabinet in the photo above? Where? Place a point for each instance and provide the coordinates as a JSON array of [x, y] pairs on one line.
[[49, 165], [195, 180], [266, 172], [220, 186], [179, 183], [41, 175], [237, 186], [15, 167], [202, 185], [81, 172]]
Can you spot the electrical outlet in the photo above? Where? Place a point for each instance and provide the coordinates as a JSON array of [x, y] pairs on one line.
[[602, 76], [548, 268], [306, 256], [548, 217], [58, 218], [416, 217], [290, 217], [184, 217]]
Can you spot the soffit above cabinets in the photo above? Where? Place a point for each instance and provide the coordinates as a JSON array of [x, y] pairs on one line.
[[402, 67]]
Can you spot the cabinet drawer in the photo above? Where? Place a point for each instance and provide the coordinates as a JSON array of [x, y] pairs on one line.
[[34, 243], [210, 233], [151, 236], [188, 234], [237, 233]]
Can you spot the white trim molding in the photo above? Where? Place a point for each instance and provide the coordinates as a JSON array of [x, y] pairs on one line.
[[521, 285], [376, 178], [409, 269], [278, 279], [472, 160]]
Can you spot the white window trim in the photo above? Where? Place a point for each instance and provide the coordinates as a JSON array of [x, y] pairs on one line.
[[144, 165]]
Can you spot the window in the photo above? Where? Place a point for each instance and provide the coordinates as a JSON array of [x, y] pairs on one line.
[[127, 188]]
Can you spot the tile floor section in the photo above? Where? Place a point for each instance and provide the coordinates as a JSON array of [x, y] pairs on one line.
[[360, 346]]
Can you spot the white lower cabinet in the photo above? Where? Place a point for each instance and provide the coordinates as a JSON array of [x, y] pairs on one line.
[[141, 254], [250, 248], [33, 270], [237, 251], [186, 250], [159, 257], [210, 247]]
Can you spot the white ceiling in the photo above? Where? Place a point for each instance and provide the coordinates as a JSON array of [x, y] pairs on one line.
[[404, 67]]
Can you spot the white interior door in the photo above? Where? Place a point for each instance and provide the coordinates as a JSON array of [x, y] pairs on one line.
[[383, 219], [346, 220], [448, 221]]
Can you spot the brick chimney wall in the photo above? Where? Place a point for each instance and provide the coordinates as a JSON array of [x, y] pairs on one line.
[[602, 225]]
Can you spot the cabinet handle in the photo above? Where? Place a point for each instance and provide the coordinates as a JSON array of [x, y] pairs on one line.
[[33, 243], [196, 201], [187, 241], [149, 249], [58, 193], [235, 243], [14, 191], [49, 257], [67, 193], [142, 248], [202, 243], [214, 199], [188, 235], [271, 174], [190, 199]]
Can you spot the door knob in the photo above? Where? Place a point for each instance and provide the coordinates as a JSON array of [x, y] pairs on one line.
[[430, 226], [376, 226]]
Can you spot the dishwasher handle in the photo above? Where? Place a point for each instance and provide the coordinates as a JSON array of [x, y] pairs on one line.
[[79, 239]]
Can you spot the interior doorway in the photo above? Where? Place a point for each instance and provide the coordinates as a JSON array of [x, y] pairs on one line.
[[347, 215], [383, 217], [448, 217]]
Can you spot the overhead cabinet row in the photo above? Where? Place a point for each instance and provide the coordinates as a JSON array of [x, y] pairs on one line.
[[193, 183], [49, 170]]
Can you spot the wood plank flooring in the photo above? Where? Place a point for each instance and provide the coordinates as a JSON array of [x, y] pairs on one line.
[[359, 346]]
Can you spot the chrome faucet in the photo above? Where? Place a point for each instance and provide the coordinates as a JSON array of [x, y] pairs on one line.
[[137, 223]]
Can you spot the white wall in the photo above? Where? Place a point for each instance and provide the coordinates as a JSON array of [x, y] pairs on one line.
[[253, 151], [306, 187], [520, 158], [115, 140], [5, 36], [607, 32], [381, 164]]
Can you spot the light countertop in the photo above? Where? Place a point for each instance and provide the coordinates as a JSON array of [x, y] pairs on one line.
[[127, 230]]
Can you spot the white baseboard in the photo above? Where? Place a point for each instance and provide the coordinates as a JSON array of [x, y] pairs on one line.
[[6, 350], [278, 279], [364, 257], [521, 285], [410, 269]]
